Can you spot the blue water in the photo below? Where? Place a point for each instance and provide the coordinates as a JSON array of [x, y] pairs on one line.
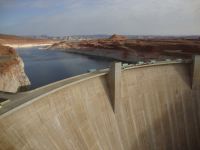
[[44, 67]]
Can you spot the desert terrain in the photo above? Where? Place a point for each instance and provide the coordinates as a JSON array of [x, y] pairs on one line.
[[12, 74], [116, 47], [20, 41], [122, 48]]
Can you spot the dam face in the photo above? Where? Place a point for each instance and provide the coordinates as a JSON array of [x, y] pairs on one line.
[[157, 110]]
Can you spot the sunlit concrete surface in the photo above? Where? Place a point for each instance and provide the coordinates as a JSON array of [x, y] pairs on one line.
[[156, 109]]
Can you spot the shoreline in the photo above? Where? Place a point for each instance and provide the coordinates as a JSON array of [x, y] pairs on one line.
[[26, 45], [99, 55]]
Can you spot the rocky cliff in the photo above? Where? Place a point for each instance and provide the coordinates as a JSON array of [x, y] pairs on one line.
[[12, 75], [122, 48]]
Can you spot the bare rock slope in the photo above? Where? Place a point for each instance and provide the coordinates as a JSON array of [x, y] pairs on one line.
[[12, 75], [20, 41], [122, 48]]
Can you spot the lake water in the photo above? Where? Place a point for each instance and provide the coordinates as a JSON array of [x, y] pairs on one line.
[[44, 67]]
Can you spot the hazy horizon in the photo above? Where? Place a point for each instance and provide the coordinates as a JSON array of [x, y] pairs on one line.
[[105, 17], [50, 35]]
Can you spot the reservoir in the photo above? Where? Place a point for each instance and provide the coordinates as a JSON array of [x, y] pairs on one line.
[[44, 66]]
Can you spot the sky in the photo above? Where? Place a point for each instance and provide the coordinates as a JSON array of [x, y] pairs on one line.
[[89, 17]]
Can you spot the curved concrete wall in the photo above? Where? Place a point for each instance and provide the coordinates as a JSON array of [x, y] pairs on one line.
[[156, 111]]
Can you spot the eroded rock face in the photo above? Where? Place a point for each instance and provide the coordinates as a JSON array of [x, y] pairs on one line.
[[116, 37], [19, 41], [122, 48], [12, 75]]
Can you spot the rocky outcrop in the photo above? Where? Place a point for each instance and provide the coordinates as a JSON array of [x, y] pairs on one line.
[[122, 48], [12, 75], [116, 37]]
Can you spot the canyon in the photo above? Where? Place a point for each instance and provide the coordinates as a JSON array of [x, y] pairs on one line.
[[12, 74], [132, 50], [146, 106], [21, 41], [116, 47]]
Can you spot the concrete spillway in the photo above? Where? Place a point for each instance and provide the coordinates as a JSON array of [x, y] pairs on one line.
[[155, 107]]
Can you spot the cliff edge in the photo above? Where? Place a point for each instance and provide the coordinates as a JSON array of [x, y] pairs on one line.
[[12, 75], [123, 48]]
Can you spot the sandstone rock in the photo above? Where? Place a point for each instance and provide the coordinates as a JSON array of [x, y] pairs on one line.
[[12, 75], [116, 37], [19, 41], [133, 49]]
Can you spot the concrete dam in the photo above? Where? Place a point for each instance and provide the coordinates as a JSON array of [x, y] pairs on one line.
[[148, 107]]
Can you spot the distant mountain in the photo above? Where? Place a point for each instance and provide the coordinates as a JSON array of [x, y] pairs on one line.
[[118, 37], [192, 37], [14, 39]]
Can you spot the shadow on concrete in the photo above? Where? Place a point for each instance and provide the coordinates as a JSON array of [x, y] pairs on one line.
[[182, 132]]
